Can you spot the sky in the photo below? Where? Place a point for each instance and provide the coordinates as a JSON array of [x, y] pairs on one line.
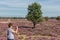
[[18, 8]]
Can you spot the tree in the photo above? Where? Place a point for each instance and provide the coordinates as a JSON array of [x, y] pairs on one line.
[[58, 18], [52, 17], [34, 13], [46, 18]]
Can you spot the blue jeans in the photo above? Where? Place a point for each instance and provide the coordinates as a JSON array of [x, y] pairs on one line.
[[10, 39]]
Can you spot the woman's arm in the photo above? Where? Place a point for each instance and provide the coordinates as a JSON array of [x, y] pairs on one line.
[[15, 31]]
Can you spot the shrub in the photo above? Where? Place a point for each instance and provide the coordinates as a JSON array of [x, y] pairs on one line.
[[58, 17]]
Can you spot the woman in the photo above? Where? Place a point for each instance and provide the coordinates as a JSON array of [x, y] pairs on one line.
[[10, 35]]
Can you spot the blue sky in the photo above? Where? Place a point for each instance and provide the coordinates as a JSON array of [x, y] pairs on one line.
[[18, 8]]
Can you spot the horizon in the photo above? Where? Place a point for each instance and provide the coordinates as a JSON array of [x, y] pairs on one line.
[[18, 8]]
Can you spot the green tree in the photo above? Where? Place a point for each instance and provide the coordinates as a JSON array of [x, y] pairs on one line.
[[46, 18], [34, 13], [58, 18]]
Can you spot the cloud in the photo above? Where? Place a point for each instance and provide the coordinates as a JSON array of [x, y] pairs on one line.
[[13, 7], [19, 7], [50, 7], [15, 3], [51, 11]]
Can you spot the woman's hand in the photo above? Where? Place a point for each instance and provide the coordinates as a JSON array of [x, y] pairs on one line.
[[15, 31], [17, 27]]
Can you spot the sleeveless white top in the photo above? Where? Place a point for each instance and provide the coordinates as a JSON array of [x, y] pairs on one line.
[[10, 34]]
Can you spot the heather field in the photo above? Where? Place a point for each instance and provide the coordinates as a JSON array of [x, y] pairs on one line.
[[47, 30]]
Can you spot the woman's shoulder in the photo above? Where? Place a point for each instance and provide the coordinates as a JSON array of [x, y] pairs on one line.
[[9, 29]]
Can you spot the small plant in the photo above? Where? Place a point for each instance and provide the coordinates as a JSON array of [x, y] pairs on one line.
[[46, 18], [58, 17]]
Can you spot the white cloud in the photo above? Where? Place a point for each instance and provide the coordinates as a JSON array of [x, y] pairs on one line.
[[51, 11], [15, 3], [48, 6]]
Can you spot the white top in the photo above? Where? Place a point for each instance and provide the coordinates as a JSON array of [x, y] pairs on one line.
[[10, 34]]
